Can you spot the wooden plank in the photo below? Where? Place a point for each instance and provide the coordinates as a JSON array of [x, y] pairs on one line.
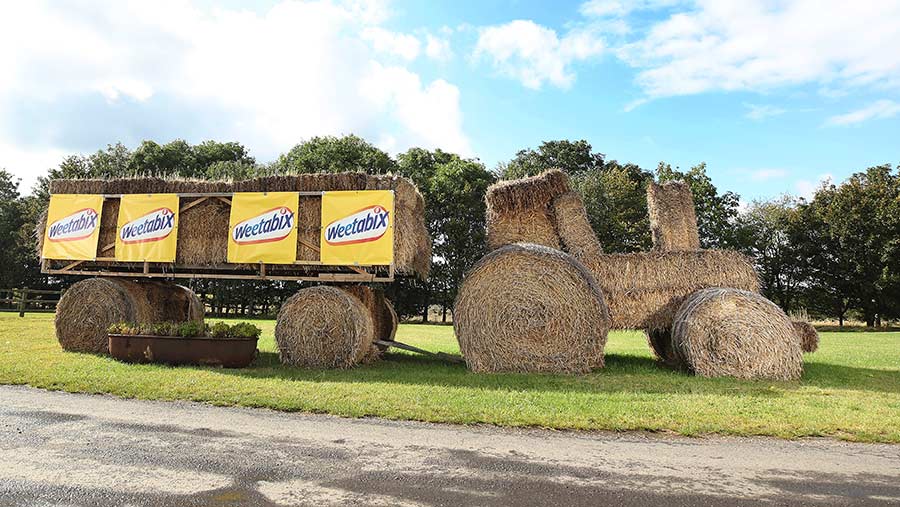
[[441, 355], [193, 203], [225, 200], [335, 277], [309, 245]]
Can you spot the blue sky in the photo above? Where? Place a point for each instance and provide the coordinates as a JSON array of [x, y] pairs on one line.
[[773, 95]]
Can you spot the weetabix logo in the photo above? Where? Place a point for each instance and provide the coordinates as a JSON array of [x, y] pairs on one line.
[[153, 226], [367, 224], [78, 225]]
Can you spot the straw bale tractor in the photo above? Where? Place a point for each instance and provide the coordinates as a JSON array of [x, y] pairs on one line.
[[339, 321], [545, 297]]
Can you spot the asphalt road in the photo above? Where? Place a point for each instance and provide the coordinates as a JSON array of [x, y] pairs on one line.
[[65, 449]]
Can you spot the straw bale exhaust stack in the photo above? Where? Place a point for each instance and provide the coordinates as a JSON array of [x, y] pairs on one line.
[[729, 332], [529, 308], [673, 220]]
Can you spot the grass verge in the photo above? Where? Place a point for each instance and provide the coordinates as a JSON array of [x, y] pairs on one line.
[[850, 388]]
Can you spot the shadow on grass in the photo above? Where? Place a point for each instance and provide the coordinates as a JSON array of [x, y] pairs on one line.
[[623, 373]]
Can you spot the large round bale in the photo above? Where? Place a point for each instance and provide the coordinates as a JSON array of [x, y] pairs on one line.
[[807, 334], [88, 308], [324, 327], [529, 308], [736, 333]]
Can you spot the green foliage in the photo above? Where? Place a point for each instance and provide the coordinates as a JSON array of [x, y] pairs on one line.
[[331, 154], [190, 329], [573, 157], [453, 188]]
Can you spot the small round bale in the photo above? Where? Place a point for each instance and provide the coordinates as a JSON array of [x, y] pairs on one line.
[[324, 327], [529, 308], [807, 334], [735, 333], [90, 306]]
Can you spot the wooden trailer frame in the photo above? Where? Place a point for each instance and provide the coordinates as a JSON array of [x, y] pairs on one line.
[[109, 266]]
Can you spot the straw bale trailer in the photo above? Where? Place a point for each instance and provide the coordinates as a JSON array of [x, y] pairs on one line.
[[356, 322], [645, 290]]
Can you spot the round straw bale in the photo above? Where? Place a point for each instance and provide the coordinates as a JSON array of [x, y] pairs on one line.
[[88, 308], [324, 327], [736, 333], [809, 337], [660, 341], [529, 308]]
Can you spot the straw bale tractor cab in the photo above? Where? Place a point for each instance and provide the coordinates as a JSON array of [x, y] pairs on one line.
[[545, 297], [342, 232]]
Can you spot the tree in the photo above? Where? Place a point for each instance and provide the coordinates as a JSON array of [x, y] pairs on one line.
[[771, 233], [863, 220], [17, 259], [454, 190], [572, 157], [331, 154], [715, 212]]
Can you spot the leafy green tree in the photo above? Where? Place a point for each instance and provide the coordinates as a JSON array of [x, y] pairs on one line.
[[573, 157], [331, 154], [454, 190], [615, 199], [863, 218], [771, 233], [716, 212]]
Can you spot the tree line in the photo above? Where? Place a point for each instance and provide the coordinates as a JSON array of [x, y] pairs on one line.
[[836, 255]]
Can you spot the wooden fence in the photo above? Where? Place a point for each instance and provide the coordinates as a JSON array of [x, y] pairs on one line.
[[29, 300]]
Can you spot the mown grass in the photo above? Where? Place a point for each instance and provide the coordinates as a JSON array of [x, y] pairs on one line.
[[850, 388]]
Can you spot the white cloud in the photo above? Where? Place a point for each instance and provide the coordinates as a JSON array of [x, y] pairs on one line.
[[400, 44], [534, 54], [807, 188], [437, 48], [877, 110], [760, 112], [267, 79], [19, 160], [755, 46]]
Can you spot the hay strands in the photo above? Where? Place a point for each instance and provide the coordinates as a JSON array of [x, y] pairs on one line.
[[440, 355]]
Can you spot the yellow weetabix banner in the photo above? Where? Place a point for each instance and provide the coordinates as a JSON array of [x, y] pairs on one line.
[[73, 227], [147, 228], [357, 228], [263, 227]]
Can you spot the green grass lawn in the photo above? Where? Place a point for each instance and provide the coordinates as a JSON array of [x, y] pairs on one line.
[[850, 388]]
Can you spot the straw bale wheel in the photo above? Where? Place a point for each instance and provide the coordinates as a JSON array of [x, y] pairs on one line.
[[736, 333], [530, 308]]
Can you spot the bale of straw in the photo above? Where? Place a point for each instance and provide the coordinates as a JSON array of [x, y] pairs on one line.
[[574, 230], [203, 233], [660, 341], [522, 210], [109, 223], [729, 332], [673, 220], [90, 306], [384, 326], [807, 334], [324, 327], [644, 290], [529, 308]]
